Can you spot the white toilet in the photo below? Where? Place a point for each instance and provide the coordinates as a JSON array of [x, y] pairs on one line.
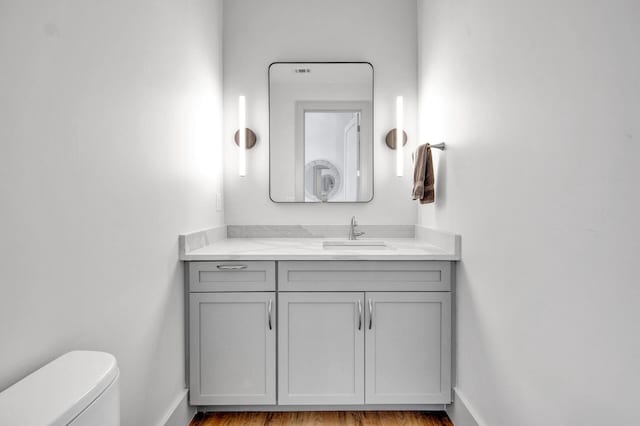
[[80, 388]]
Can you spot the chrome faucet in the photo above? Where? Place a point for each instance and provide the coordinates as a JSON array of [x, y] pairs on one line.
[[353, 234]]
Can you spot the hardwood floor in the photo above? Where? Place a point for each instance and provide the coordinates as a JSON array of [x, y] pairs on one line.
[[316, 418]]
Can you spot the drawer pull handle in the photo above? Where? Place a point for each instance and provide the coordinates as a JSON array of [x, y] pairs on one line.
[[370, 314], [269, 309], [231, 267], [359, 315]]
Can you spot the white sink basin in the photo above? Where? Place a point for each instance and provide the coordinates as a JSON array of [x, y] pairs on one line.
[[355, 245]]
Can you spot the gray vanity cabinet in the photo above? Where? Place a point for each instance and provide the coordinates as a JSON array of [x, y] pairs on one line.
[[398, 311], [349, 333], [233, 349], [408, 348], [321, 341], [232, 335]]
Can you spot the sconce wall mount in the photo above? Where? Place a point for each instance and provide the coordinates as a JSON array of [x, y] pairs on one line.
[[250, 137], [392, 138]]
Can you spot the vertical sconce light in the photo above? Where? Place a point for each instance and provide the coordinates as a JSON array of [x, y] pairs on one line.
[[398, 134], [244, 137]]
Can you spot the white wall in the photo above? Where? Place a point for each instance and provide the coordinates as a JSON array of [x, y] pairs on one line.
[[110, 145], [257, 33], [539, 103]]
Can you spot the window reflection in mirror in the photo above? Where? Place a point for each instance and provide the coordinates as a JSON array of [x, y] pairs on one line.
[[320, 131]]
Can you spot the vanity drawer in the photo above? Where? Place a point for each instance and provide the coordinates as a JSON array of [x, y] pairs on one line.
[[364, 276], [232, 276]]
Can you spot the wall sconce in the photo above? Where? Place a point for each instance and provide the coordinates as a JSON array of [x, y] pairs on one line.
[[244, 137], [397, 134]]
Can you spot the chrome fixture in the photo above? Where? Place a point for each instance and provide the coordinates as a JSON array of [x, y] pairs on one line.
[[439, 146], [353, 234], [231, 267], [391, 141]]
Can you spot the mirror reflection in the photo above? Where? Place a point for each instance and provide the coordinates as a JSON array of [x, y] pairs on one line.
[[321, 125]]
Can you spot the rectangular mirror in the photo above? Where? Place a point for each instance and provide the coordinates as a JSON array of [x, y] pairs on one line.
[[321, 132]]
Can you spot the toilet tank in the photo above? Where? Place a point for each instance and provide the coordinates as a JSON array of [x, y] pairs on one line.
[[79, 388]]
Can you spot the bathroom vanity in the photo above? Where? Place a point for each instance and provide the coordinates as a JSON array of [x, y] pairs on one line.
[[307, 317], [289, 323]]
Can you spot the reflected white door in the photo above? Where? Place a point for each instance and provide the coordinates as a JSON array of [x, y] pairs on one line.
[[352, 158]]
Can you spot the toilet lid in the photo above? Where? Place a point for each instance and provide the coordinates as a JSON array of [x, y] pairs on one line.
[[56, 393]]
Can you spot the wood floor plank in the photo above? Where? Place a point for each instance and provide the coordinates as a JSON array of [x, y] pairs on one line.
[[324, 418]]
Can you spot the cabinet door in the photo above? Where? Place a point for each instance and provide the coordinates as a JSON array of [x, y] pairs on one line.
[[408, 348], [232, 348], [321, 348]]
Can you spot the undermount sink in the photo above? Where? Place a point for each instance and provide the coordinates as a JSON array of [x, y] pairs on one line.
[[355, 245]]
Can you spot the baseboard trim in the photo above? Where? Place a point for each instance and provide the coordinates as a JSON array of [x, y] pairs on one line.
[[280, 408], [461, 412], [180, 413]]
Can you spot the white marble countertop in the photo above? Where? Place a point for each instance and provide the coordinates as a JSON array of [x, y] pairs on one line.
[[312, 249]]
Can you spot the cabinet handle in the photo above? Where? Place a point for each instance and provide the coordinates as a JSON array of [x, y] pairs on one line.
[[269, 309], [370, 314], [359, 314], [232, 267]]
